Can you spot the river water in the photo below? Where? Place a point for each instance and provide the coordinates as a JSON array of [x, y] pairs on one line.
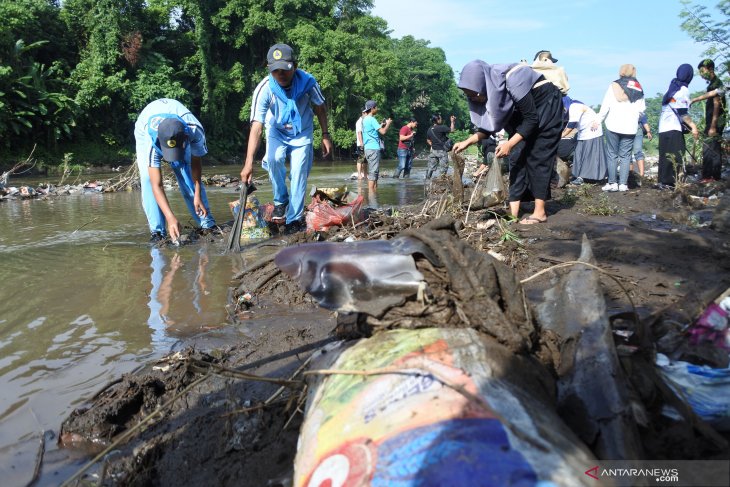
[[84, 298]]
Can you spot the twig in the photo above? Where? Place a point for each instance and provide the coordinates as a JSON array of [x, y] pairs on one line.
[[256, 265], [297, 407], [207, 367], [41, 451], [272, 274], [280, 389], [713, 34], [296, 372], [14, 170], [471, 198], [252, 408], [87, 223]]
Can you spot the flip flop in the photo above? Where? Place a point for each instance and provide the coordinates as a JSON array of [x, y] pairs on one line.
[[532, 219]]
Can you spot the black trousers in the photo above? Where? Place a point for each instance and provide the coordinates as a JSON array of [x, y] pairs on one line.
[[671, 152], [711, 157], [533, 160]]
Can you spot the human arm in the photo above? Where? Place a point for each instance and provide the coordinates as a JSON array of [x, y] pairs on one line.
[[405, 138], [158, 190], [196, 168], [321, 112], [712, 129], [605, 107], [254, 139], [471, 140], [647, 129], [384, 129], [452, 127], [569, 132], [528, 125], [709, 94], [688, 120]]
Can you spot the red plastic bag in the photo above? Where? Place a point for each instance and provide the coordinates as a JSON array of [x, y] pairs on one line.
[[322, 215]]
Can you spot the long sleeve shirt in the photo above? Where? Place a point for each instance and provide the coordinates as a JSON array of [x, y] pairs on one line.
[[621, 117]]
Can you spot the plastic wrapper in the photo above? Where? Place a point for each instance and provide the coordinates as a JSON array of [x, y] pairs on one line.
[[254, 225], [491, 191], [434, 407], [323, 215]]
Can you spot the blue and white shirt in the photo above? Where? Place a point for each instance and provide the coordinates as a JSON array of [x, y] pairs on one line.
[[145, 130], [265, 108], [677, 107]]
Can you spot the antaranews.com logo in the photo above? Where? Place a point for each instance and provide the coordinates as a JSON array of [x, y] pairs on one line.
[[690, 473]]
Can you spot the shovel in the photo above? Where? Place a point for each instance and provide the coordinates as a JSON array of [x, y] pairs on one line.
[[234, 238]]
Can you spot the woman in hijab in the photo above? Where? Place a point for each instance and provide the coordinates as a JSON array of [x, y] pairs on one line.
[[621, 108], [516, 98], [673, 121]]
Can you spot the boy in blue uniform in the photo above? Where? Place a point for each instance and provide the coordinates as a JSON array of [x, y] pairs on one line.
[[285, 103], [166, 130]]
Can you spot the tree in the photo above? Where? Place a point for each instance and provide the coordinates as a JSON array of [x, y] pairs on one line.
[[35, 55], [711, 30]]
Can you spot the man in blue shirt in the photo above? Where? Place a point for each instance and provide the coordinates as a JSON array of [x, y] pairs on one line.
[[371, 132], [285, 103], [166, 130]]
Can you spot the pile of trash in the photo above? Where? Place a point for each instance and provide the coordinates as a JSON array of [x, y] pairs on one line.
[[456, 375]]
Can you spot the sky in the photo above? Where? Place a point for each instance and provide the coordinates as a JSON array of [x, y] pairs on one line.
[[591, 39]]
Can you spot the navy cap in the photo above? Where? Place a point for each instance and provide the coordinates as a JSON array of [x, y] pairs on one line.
[[280, 56], [173, 139], [369, 105]]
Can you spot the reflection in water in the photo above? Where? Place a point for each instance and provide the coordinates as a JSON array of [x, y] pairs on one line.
[[177, 299]]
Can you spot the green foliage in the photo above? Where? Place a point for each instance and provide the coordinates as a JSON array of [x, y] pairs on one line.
[[602, 207], [78, 72], [709, 28]]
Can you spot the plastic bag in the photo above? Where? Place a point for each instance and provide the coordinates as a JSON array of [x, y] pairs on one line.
[[706, 389], [447, 414], [254, 226], [494, 192], [322, 215]]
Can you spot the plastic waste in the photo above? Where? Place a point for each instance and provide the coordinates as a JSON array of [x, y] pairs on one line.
[[254, 225], [711, 327], [323, 214], [494, 191], [706, 389], [369, 276], [591, 382], [440, 407]]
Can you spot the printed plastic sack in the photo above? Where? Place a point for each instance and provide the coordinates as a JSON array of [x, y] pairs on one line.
[[490, 191], [711, 327], [433, 407], [706, 390], [254, 226], [322, 214]]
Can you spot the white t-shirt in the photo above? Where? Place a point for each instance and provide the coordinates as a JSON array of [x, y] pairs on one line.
[[668, 120], [584, 116], [358, 130]]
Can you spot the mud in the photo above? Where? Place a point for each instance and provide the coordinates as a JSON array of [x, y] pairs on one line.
[[221, 432]]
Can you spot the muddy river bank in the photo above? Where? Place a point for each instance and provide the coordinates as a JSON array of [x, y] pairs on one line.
[[85, 298]]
